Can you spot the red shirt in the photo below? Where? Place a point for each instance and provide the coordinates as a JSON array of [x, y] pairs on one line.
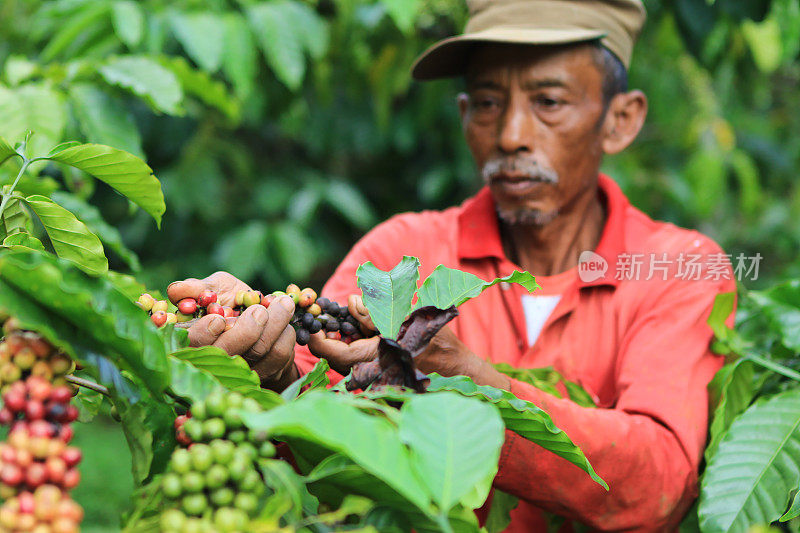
[[639, 346]]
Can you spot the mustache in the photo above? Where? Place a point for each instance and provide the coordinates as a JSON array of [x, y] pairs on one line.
[[518, 165]]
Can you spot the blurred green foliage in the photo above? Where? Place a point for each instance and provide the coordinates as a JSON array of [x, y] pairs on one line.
[[282, 130]]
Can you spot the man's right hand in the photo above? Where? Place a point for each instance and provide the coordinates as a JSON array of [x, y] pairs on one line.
[[263, 337]]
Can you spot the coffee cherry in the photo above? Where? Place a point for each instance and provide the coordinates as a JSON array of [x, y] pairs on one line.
[[72, 456], [307, 297], [334, 335], [314, 309], [252, 298], [214, 309], [146, 302], [159, 318], [171, 318], [183, 318], [213, 428], [267, 299], [347, 328], [293, 289], [302, 336], [202, 457], [315, 327], [194, 504], [181, 461], [192, 482], [206, 298], [187, 306], [172, 520], [222, 496], [228, 312], [160, 305], [332, 325]]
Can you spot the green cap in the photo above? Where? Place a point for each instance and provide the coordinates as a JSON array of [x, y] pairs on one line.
[[616, 23]]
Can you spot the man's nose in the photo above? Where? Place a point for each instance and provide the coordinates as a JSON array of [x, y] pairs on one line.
[[516, 129]]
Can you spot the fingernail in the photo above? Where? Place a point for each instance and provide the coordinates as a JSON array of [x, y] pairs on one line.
[[217, 326], [260, 315], [171, 284], [287, 303]]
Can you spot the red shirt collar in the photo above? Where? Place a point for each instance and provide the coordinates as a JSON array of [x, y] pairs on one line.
[[479, 231]]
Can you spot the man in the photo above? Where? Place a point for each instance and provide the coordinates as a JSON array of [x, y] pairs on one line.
[[545, 99]]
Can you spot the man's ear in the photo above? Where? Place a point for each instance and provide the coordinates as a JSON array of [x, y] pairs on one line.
[[624, 119], [463, 104]]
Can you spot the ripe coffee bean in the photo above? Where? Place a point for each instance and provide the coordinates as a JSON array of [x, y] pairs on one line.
[[307, 297], [267, 299], [187, 306], [72, 456], [332, 325], [323, 302], [302, 336], [315, 327], [159, 318], [215, 309], [347, 328], [206, 298], [307, 319]]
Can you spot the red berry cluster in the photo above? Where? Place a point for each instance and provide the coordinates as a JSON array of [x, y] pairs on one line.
[[37, 467], [24, 353]]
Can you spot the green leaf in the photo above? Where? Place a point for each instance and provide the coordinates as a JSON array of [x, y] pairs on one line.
[[781, 304], [756, 466], [148, 501], [35, 107], [403, 13], [500, 512], [88, 403], [794, 509], [546, 379], [281, 42], [127, 17], [315, 379], [123, 171], [73, 29], [105, 318], [15, 219], [240, 55], [201, 85], [70, 237], [190, 382], [521, 417], [147, 79], [148, 428], [285, 482], [108, 234], [312, 28], [233, 373], [455, 445], [446, 287], [319, 424], [23, 239], [348, 201], [387, 295], [731, 391], [201, 35], [239, 251], [6, 151], [723, 307], [295, 250], [104, 119]]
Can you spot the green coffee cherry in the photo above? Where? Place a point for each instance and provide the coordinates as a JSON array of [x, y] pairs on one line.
[[216, 476], [223, 451], [215, 405], [194, 504], [202, 457], [213, 428], [172, 486], [222, 496], [172, 521], [181, 461], [194, 429], [246, 501]]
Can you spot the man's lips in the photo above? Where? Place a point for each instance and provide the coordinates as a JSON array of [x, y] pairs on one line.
[[516, 184]]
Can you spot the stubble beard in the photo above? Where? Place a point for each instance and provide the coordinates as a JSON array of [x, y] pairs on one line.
[[521, 216]]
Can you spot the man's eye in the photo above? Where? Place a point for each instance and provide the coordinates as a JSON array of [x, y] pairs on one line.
[[549, 103], [484, 104]]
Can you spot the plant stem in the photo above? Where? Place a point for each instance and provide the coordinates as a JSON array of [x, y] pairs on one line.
[[88, 384], [6, 197], [772, 365]]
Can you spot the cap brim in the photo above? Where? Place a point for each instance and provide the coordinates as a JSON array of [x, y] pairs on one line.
[[448, 58]]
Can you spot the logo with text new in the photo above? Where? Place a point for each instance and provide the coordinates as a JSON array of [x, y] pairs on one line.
[[591, 266]]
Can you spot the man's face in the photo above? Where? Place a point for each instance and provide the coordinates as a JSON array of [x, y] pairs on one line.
[[532, 117]]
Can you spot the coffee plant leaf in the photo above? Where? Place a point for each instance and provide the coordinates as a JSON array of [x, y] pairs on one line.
[[546, 379], [204, 87], [190, 382], [455, 445], [34, 107], [240, 55], [387, 295], [201, 35], [70, 237], [148, 502], [781, 304], [232, 373], [14, 219], [88, 402], [101, 316], [127, 18], [285, 482], [24, 240], [319, 423], [149, 430], [91, 217], [733, 388], [447, 287], [337, 475], [104, 119], [499, 516], [281, 43], [145, 78], [756, 467], [6, 150], [722, 309], [521, 417], [317, 378], [125, 172]]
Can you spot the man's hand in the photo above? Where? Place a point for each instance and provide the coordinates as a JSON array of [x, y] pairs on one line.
[[263, 337], [445, 354], [340, 355]]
